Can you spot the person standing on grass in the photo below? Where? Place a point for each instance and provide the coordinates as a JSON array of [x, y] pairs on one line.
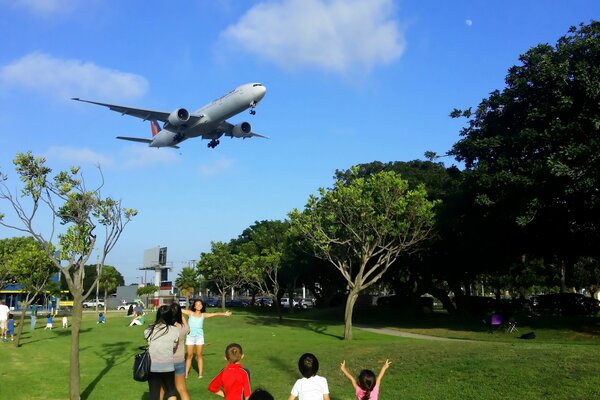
[[195, 339], [179, 356], [10, 330], [233, 382], [4, 311], [367, 387], [162, 337], [311, 386]]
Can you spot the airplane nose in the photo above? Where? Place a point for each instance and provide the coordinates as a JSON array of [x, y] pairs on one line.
[[261, 91]]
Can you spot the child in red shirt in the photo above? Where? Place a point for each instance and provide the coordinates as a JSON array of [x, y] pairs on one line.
[[233, 382]]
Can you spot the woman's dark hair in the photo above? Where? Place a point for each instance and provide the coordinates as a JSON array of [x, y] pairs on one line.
[[308, 365], [176, 310], [164, 318], [202, 310], [261, 394], [366, 381]]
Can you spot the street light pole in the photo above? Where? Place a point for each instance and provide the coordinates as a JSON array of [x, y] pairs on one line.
[[97, 278]]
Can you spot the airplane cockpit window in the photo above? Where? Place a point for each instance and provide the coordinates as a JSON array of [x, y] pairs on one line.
[[257, 84]]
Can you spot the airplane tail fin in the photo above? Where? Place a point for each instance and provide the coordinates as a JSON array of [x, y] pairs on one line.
[[154, 127]]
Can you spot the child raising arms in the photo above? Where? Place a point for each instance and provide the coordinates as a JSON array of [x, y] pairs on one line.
[[367, 387]]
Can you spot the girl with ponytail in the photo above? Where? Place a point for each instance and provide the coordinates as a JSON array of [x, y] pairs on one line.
[[367, 387]]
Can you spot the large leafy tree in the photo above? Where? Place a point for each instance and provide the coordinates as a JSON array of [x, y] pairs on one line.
[[532, 150], [87, 219], [31, 268], [224, 269], [441, 260], [262, 248], [361, 228]]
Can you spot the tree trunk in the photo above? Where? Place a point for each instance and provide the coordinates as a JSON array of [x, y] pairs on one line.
[[105, 302], [563, 276], [74, 371], [350, 301], [223, 300], [21, 323]]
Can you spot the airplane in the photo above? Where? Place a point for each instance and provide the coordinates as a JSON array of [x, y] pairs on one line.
[[208, 122]]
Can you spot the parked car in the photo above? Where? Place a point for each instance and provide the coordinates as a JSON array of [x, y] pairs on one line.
[[125, 306], [564, 304], [285, 302], [92, 304], [237, 303], [264, 302], [212, 302], [304, 303]]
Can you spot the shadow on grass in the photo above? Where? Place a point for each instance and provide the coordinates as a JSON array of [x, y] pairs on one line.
[[113, 354], [311, 325], [56, 333]]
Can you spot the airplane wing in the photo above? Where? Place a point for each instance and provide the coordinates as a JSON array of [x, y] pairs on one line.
[[146, 115], [140, 140], [227, 129]]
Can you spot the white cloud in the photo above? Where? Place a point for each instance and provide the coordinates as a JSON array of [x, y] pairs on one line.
[[78, 156], [333, 35], [140, 156], [469, 22], [71, 78], [219, 167], [43, 7]]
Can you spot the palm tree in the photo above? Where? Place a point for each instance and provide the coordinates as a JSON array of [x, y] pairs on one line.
[[187, 282]]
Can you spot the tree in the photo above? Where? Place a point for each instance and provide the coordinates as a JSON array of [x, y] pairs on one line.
[[147, 291], [532, 150], [109, 280], [29, 267], [223, 268], [187, 282], [262, 249], [361, 228], [81, 212]]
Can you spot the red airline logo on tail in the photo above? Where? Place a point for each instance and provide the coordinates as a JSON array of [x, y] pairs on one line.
[[155, 128]]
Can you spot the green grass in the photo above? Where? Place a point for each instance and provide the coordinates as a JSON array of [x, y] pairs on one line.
[[495, 366]]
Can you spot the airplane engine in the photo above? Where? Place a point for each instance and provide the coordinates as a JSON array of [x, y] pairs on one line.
[[179, 117], [241, 130]]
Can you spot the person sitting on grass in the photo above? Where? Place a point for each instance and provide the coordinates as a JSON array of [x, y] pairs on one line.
[[48, 322], [311, 386], [101, 318], [139, 319], [233, 382], [367, 387]]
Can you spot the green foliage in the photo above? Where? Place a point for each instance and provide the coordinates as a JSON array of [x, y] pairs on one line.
[[532, 150], [147, 290], [27, 263], [67, 200], [222, 268], [366, 221], [187, 281]]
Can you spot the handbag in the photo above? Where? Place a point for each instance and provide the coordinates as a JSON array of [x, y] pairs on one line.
[[141, 365]]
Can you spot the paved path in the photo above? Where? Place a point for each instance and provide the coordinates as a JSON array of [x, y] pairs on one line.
[[395, 332]]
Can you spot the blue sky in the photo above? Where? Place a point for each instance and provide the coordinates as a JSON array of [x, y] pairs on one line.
[[349, 81]]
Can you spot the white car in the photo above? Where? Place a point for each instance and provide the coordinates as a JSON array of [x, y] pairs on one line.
[[92, 304], [285, 302]]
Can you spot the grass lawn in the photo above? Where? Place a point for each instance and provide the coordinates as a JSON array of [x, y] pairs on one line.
[[493, 366]]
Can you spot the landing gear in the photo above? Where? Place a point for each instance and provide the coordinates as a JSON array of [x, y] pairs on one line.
[[253, 108], [213, 143]]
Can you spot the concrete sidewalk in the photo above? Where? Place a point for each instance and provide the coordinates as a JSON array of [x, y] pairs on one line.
[[395, 332]]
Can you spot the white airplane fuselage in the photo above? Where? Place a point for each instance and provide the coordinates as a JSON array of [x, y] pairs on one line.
[[209, 117]]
